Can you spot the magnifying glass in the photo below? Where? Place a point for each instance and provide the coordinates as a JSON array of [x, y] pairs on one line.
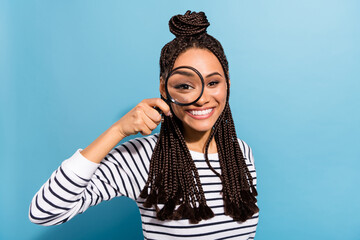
[[183, 86]]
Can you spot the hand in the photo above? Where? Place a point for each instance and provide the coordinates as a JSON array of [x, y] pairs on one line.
[[142, 118]]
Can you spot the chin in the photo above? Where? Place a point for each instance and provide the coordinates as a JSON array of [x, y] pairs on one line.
[[199, 125], [202, 129]]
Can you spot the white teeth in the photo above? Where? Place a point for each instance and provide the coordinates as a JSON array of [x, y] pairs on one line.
[[202, 112]]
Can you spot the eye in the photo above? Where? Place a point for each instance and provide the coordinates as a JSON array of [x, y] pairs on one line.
[[183, 86], [213, 83]]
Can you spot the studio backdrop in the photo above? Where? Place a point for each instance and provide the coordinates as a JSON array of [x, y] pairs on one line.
[[70, 69]]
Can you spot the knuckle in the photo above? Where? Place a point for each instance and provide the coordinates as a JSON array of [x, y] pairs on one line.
[[137, 122], [138, 109], [156, 115], [146, 132], [154, 126], [145, 102]]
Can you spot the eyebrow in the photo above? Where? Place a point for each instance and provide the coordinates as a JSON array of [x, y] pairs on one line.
[[190, 74], [214, 73], [185, 73]]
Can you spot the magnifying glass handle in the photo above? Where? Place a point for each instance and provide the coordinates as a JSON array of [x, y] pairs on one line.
[[161, 113], [159, 110]]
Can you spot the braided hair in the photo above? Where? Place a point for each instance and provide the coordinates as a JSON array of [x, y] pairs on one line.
[[173, 177]]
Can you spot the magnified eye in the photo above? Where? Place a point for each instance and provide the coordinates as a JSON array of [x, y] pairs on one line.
[[183, 86]]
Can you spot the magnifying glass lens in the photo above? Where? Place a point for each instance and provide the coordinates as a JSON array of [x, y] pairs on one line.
[[184, 85]]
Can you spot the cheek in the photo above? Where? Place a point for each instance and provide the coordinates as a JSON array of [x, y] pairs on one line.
[[220, 95], [178, 111]]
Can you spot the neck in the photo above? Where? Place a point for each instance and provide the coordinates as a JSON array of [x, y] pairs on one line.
[[196, 141]]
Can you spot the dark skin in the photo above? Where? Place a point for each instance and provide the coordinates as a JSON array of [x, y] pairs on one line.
[[197, 129]]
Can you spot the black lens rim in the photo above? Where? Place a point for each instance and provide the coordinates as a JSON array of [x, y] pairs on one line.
[[169, 98]]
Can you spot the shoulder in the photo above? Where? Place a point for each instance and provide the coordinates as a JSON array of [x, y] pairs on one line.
[[247, 151]]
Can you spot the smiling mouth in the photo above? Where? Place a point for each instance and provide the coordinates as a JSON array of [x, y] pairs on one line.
[[200, 114]]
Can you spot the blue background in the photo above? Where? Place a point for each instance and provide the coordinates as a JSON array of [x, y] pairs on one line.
[[70, 69]]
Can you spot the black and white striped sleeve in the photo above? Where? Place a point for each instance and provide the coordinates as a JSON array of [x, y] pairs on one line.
[[250, 160], [79, 183]]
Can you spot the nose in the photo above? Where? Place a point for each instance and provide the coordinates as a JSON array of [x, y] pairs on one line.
[[205, 98]]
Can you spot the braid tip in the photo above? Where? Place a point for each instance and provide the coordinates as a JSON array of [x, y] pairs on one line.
[[207, 213], [167, 212], [151, 199], [144, 192]]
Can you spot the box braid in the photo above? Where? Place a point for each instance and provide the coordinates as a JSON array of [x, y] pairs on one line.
[[173, 177]]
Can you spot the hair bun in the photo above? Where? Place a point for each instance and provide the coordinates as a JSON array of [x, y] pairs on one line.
[[191, 23]]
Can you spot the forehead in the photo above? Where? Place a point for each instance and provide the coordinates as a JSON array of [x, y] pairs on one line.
[[201, 59]]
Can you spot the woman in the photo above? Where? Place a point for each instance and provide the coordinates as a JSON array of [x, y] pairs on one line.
[[195, 179]]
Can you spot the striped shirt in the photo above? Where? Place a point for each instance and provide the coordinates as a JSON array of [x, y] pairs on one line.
[[79, 183]]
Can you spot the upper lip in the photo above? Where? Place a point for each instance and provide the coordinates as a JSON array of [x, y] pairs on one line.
[[199, 109]]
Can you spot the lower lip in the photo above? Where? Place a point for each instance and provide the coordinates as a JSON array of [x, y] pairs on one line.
[[201, 116]]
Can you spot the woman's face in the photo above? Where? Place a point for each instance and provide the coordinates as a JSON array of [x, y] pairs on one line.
[[202, 115]]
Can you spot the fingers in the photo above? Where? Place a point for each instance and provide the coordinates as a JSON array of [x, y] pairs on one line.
[[143, 118], [154, 115], [147, 118], [158, 102], [149, 125]]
